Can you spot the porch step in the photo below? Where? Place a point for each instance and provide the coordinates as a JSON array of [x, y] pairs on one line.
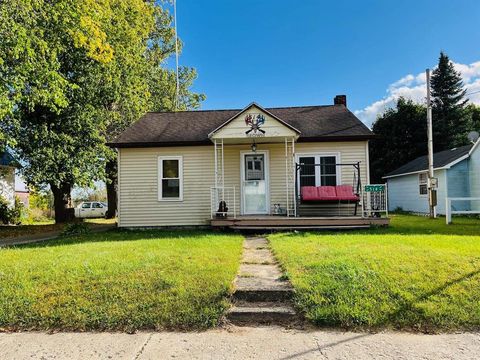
[[263, 295], [290, 227], [251, 313]]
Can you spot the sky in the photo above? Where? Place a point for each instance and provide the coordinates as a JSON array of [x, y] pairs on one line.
[[294, 53]]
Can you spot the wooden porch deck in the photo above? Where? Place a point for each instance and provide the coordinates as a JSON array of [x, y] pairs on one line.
[[298, 223]]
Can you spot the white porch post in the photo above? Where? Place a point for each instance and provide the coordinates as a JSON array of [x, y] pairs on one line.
[[286, 174], [290, 177]]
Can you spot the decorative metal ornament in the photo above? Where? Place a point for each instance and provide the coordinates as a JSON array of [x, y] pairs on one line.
[[255, 121]]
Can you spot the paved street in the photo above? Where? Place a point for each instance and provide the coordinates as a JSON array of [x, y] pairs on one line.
[[239, 343]]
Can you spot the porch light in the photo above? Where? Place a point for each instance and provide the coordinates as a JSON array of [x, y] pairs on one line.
[[254, 147]]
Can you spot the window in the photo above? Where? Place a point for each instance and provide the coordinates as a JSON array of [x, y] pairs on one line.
[[170, 179], [86, 206], [97, 206], [328, 171], [307, 170], [422, 184], [318, 170], [254, 167]]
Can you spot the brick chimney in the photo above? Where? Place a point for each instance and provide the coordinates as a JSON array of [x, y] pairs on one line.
[[340, 100]]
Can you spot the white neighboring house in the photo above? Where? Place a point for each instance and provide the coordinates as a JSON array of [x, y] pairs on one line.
[[7, 177], [458, 173]]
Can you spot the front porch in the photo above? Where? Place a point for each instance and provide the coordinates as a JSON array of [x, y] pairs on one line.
[[265, 179], [298, 223]]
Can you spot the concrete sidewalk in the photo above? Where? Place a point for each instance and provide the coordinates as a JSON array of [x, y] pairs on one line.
[[239, 343]]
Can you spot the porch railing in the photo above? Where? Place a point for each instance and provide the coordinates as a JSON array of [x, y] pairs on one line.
[[223, 202]]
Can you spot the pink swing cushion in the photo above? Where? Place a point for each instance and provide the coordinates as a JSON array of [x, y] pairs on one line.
[[328, 193]]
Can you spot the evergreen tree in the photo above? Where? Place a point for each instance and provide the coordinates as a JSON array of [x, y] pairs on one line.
[[450, 120], [401, 137]]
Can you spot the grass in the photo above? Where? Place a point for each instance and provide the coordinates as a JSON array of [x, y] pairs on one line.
[[12, 231], [419, 274], [119, 280]]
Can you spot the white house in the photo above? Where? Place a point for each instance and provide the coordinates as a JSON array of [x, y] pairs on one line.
[[7, 177], [250, 167], [458, 173]]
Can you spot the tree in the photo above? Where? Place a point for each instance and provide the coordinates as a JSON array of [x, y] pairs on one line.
[[450, 120], [474, 116], [161, 88], [401, 137], [58, 91]]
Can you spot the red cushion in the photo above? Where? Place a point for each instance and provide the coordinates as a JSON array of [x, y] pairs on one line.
[[326, 193], [309, 193], [345, 193]]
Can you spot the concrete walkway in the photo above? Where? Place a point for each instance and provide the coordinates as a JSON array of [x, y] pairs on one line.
[[262, 295], [239, 343]]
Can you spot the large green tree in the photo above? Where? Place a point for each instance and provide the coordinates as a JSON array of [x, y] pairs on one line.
[[68, 71], [159, 91], [401, 137], [450, 119]]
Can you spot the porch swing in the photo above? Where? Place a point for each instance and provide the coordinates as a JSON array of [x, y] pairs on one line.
[[326, 199]]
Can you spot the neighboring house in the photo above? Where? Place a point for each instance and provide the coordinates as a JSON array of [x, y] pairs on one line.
[[176, 168], [22, 191], [7, 177], [458, 173]]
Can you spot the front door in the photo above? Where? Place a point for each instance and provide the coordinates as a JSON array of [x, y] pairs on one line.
[[255, 183]]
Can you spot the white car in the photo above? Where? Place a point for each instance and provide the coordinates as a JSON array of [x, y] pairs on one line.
[[91, 209]]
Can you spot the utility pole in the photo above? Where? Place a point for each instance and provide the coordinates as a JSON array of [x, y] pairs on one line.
[[432, 183]]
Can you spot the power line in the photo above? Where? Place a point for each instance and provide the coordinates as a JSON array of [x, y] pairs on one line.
[[473, 92], [177, 90]]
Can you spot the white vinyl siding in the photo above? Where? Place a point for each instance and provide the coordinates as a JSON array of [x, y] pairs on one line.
[[139, 177], [7, 184], [403, 192]]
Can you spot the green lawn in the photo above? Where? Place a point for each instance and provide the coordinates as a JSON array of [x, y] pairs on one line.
[[418, 274], [45, 227], [119, 280]]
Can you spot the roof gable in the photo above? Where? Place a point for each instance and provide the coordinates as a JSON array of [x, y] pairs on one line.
[[6, 159], [254, 121]]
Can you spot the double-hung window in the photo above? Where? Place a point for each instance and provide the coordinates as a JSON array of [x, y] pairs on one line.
[[422, 184], [170, 178], [318, 170]]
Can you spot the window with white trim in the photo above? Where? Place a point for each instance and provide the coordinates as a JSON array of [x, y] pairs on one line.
[[422, 184], [318, 170], [170, 178]]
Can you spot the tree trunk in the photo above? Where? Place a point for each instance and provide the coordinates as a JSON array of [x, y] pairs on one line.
[[61, 202], [111, 174]]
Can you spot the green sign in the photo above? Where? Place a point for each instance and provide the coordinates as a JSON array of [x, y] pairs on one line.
[[374, 188]]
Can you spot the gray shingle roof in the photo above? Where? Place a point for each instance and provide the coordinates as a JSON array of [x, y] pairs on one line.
[[331, 122], [440, 159], [6, 159]]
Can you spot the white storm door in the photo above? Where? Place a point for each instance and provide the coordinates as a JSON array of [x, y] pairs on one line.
[[255, 183]]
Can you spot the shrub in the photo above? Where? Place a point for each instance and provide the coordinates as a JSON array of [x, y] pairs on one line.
[[77, 228], [17, 212], [4, 211]]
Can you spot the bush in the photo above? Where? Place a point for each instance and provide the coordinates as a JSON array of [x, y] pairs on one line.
[[4, 211], [11, 215], [17, 212], [78, 228]]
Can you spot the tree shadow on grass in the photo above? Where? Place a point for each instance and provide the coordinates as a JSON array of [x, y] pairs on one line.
[[409, 306], [115, 235]]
